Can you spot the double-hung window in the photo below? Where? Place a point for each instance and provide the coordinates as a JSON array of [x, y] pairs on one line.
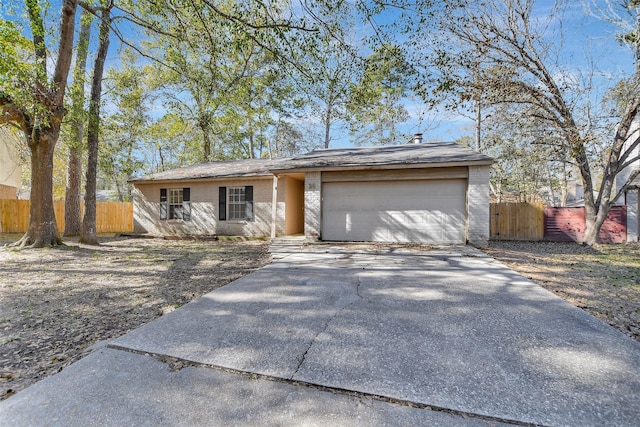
[[175, 203], [176, 197], [235, 203]]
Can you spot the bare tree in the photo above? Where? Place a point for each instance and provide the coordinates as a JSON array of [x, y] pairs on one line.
[[520, 52], [331, 68]]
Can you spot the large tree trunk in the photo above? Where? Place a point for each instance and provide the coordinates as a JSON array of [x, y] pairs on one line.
[[593, 224], [73, 191], [591, 231], [42, 135], [88, 233], [42, 230], [595, 210]]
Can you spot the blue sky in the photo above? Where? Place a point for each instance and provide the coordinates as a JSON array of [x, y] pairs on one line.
[[586, 40]]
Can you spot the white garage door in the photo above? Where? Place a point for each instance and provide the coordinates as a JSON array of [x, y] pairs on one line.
[[425, 211]]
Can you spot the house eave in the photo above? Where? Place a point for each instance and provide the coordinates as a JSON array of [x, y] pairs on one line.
[[387, 166], [201, 179]]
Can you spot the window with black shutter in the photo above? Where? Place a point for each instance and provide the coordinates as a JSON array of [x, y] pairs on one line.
[[248, 197], [175, 203], [222, 203], [236, 203], [163, 203], [186, 204]]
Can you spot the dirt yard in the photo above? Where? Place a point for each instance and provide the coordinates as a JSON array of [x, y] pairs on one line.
[[56, 303], [603, 281]]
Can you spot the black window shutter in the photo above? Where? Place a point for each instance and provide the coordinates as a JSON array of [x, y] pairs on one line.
[[164, 205], [222, 203], [186, 204], [248, 198]]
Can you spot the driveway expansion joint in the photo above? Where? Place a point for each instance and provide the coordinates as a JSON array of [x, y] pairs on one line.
[[358, 286], [177, 364], [326, 325]]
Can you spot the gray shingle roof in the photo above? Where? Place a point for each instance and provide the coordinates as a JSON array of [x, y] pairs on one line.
[[226, 169], [427, 154]]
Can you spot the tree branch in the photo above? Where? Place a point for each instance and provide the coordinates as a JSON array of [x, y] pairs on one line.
[[288, 25], [622, 132], [629, 163], [37, 33], [65, 51], [10, 114], [125, 41], [626, 185]]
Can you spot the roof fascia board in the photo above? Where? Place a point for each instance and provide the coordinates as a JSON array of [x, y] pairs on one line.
[[386, 166], [198, 180]]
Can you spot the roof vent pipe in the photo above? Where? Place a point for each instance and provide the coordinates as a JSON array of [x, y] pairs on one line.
[[417, 138]]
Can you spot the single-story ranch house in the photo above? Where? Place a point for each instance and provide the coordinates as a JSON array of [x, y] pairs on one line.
[[432, 193]]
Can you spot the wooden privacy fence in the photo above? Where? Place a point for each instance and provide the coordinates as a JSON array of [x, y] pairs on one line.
[[516, 221], [569, 224], [111, 217], [532, 221]]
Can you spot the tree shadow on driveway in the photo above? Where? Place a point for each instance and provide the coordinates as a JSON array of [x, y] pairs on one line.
[[445, 329]]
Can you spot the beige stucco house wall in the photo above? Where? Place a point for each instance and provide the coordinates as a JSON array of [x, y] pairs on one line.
[[10, 171], [205, 213]]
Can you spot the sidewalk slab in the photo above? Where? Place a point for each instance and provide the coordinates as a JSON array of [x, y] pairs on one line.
[[118, 388]]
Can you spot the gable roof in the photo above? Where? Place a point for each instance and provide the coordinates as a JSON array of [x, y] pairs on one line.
[[426, 154], [220, 169], [429, 154]]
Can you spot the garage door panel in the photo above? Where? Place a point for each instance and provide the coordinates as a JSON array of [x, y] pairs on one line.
[[429, 211]]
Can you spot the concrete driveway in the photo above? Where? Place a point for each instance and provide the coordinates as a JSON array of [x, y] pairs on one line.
[[336, 336]]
